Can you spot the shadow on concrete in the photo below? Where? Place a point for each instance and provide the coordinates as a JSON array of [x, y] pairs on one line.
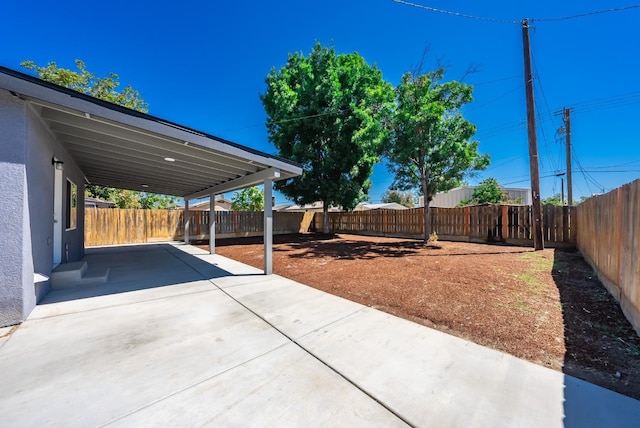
[[601, 346], [139, 267]]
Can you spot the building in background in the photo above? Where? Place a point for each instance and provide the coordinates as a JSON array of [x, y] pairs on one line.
[[453, 197], [221, 205], [366, 206]]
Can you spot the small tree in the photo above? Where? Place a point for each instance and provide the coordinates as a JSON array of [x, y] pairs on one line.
[[489, 192], [553, 200], [104, 88], [403, 198], [248, 199], [432, 150], [327, 112], [155, 201]]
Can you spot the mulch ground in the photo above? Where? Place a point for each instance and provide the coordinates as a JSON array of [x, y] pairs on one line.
[[547, 307]]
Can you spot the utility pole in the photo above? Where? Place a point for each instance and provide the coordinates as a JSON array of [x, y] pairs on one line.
[[567, 125], [561, 175], [538, 240]]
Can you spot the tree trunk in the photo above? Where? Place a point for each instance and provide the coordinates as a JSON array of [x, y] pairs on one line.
[[427, 221], [325, 218], [427, 201]]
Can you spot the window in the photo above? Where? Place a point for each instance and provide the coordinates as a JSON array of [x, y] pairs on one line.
[[72, 205]]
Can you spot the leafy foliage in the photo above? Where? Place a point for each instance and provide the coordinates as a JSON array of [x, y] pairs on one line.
[[86, 82], [403, 198], [131, 198], [431, 149], [489, 191], [248, 199], [553, 200], [328, 112]]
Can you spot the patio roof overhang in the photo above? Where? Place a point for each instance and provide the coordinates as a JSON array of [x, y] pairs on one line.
[[118, 147]]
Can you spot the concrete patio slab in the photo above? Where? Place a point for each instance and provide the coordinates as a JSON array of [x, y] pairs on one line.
[[181, 337], [87, 368], [434, 379], [275, 390], [291, 307], [5, 333]]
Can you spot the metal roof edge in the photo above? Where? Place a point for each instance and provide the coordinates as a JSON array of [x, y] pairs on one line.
[[134, 113]]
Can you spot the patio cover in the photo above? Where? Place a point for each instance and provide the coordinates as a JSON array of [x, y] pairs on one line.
[[119, 147]]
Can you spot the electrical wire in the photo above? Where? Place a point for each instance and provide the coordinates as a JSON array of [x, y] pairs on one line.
[[508, 161], [461, 15], [616, 101], [498, 98], [496, 80], [509, 21], [501, 129], [285, 120], [588, 178], [582, 15], [555, 163]]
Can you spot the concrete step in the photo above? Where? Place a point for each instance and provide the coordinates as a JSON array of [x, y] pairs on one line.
[[77, 274]]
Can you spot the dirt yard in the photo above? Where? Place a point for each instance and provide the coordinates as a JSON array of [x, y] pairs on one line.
[[547, 307]]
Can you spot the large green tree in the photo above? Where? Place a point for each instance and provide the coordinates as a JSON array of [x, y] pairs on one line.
[[107, 89], [432, 148], [327, 111]]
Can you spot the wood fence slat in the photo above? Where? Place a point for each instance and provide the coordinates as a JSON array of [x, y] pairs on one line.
[[607, 227]]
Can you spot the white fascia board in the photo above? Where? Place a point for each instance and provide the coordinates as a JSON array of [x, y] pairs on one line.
[[154, 125], [239, 183]]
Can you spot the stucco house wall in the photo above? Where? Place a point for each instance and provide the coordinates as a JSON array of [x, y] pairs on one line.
[[26, 212]]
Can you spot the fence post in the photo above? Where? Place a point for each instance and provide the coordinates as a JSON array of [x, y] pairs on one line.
[[467, 221], [505, 222], [384, 222], [146, 221], [619, 244]]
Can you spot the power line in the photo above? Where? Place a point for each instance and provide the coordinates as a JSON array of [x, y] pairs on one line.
[[458, 14], [615, 101], [499, 97], [508, 161], [614, 166], [497, 80], [587, 176], [287, 120], [556, 163], [509, 21], [582, 15]]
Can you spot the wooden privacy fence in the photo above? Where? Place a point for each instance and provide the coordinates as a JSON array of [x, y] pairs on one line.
[[505, 223], [112, 226], [374, 222], [608, 240], [233, 224]]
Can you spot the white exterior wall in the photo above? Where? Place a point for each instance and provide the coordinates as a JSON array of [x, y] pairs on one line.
[[453, 197], [26, 211], [15, 250]]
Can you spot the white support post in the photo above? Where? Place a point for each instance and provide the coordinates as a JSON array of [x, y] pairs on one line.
[[212, 223], [268, 228], [186, 221]]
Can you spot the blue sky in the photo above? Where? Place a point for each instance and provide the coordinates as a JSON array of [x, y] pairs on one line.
[[203, 64]]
